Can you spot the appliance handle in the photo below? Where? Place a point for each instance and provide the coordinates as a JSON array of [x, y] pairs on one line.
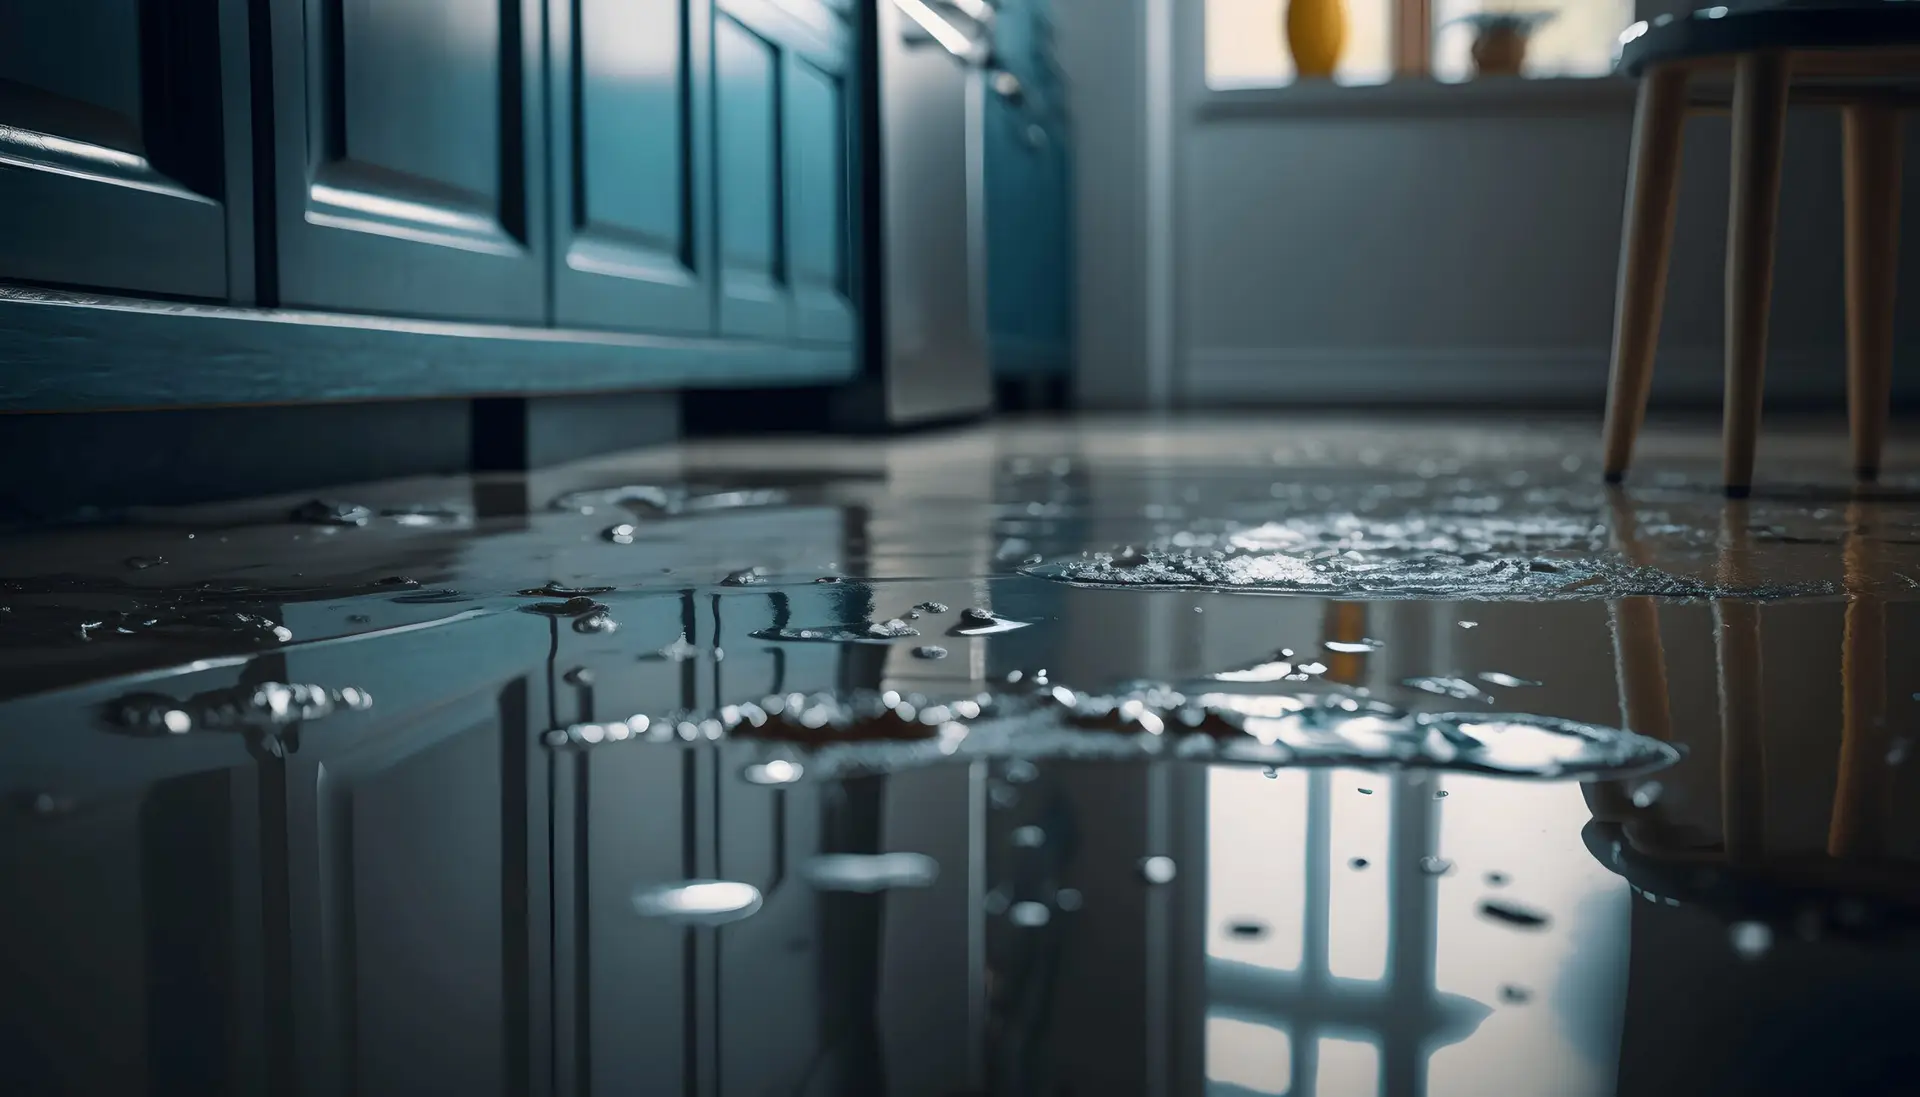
[[972, 49]]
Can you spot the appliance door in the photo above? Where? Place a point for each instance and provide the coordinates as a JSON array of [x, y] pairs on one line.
[[931, 57]]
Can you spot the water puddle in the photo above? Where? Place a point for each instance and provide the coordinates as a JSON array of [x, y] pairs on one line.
[[1354, 573]]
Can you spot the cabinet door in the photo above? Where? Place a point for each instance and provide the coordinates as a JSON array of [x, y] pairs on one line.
[[782, 173], [629, 94], [112, 150], [410, 139]]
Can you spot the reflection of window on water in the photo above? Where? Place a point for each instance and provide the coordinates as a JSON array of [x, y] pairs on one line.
[[1325, 979], [1246, 45]]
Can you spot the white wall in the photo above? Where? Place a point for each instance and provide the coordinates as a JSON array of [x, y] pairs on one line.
[[1411, 254], [1473, 258]]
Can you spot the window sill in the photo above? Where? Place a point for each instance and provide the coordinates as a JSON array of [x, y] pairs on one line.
[[1497, 95]]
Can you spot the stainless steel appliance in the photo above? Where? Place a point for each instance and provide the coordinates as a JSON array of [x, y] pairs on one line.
[[927, 345]]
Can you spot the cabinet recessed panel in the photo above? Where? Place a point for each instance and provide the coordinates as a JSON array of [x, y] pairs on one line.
[[817, 243], [409, 156], [625, 99], [111, 145], [747, 104]]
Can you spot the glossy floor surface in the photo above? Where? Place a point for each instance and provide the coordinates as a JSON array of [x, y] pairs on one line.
[[1206, 757]]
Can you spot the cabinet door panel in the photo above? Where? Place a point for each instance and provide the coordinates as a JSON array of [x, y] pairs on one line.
[[112, 171], [753, 276], [815, 134], [629, 94], [410, 138]]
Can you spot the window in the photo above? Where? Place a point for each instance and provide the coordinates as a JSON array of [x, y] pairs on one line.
[[1246, 40]]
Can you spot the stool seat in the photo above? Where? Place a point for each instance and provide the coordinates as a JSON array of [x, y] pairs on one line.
[[1863, 57], [1801, 28]]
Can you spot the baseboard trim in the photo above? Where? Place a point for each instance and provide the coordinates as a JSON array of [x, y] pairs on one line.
[[1504, 376]]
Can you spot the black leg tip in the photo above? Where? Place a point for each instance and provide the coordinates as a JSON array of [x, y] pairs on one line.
[[1867, 474], [1613, 477], [1738, 491]]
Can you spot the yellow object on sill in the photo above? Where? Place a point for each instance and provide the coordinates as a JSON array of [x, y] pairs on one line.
[[1317, 34]]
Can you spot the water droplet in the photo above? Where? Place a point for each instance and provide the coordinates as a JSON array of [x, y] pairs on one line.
[[1435, 866], [828, 579], [932, 607], [1513, 914], [321, 512], [1353, 647], [1248, 929], [579, 606], [745, 577], [1496, 879], [1446, 686], [1500, 678], [777, 772], [1033, 559], [1028, 837], [1514, 995], [1751, 940], [929, 651], [1020, 771], [1897, 752], [1365, 791], [698, 902], [1158, 870], [1468, 624], [176, 721], [982, 622], [1647, 794], [142, 563], [554, 588], [1199, 609], [620, 534], [1357, 863], [1029, 915], [1440, 794], [600, 622], [868, 873], [1069, 899], [579, 676]]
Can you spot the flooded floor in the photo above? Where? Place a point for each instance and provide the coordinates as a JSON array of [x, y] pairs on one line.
[[1211, 757]]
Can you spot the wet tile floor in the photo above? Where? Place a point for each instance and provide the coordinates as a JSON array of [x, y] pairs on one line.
[[1237, 756]]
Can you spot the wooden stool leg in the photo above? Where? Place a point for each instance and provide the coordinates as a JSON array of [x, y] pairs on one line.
[[1872, 136], [1653, 177], [1759, 134]]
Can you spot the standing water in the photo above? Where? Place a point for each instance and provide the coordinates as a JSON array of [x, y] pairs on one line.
[[1472, 776]]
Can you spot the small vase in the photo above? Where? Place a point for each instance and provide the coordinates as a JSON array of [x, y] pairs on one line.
[[1500, 40], [1316, 33]]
